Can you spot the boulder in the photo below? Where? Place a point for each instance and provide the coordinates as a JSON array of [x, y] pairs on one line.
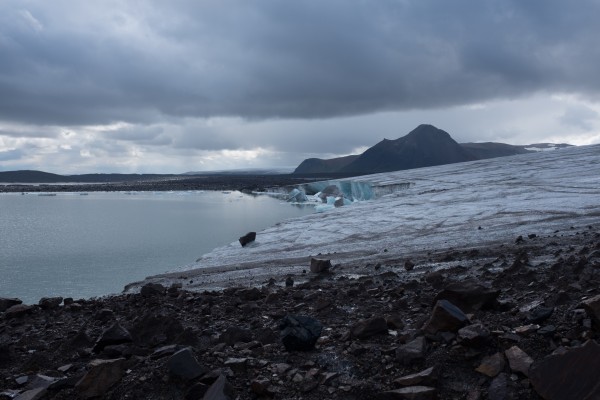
[[50, 303], [317, 266], [473, 335], [234, 334], [469, 295], [539, 314], [155, 329], [183, 365], [6, 303], [445, 317], [570, 375], [247, 238], [499, 388], [369, 327], [115, 334], [518, 360], [101, 375], [152, 289], [299, 332], [289, 281]]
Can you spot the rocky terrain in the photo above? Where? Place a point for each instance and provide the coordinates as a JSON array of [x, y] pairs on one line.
[[515, 320]]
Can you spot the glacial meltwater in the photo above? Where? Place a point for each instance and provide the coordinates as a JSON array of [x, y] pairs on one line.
[[81, 246]]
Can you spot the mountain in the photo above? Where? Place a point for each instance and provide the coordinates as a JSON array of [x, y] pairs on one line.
[[424, 146], [31, 176], [320, 166]]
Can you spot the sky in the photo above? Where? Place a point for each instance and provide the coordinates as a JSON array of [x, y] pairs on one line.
[[197, 85]]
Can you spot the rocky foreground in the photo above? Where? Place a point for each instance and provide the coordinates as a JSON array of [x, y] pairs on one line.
[[515, 320]]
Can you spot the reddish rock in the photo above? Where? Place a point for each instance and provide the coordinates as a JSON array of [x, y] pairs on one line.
[[518, 360], [572, 375], [492, 365], [102, 374]]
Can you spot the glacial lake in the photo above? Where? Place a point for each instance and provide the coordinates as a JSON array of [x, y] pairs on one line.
[[83, 246]]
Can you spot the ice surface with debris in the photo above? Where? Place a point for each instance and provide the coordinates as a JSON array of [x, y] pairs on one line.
[[457, 205]]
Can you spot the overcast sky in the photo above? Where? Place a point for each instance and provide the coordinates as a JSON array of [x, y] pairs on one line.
[[188, 85]]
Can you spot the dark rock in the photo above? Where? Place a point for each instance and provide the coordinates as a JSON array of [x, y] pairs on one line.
[[234, 334], [469, 296], [592, 307], [260, 387], [395, 322], [539, 314], [492, 365], [101, 375], [18, 310], [411, 352], [499, 389], [81, 340], [518, 360], [183, 365], [409, 393], [289, 282], [445, 317], [317, 266], [568, 376], [33, 394], [425, 377], [50, 303], [116, 334], [152, 330], [220, 390], [6, 303], [473, 335], [152, 289], [519, 239], [409, 265], [196, 391], [247, 238], [251, 294], [369, 327], [547, 330], [299, 332]]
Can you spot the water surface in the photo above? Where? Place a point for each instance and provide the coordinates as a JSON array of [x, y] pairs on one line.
[[81, 246]]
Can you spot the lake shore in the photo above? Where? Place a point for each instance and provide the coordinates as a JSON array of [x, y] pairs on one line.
[[519, 301]]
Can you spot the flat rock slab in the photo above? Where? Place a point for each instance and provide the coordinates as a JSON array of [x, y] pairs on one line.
[[573, 375], [425, 377], [518, 360], [410, 393], [491, 366], [102, 374]]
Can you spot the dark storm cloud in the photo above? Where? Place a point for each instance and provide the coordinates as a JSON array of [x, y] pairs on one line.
[[75, 63]]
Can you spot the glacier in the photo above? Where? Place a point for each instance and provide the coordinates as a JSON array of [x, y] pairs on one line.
[[465, 205]]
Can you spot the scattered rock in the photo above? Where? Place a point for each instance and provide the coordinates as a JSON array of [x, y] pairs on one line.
[[425, 377], [571, 375], [220, 390], [592, 307], [318, 266], [518, 360], [492, 365], [116, 334], [183, 365], [410, 393], [369, 327], [50, 303], [247, 238], [445, 317], [18, 310], [152, 289], [6, 303], [101, 375], [411, 352], [469, 295], [234, 334], [473, 335], [299, 332], [539, 314]]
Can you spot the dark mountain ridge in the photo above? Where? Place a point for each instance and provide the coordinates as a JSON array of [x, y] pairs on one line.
[[424, 146]]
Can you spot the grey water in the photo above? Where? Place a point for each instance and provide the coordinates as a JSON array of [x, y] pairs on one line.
[[84, 246]]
